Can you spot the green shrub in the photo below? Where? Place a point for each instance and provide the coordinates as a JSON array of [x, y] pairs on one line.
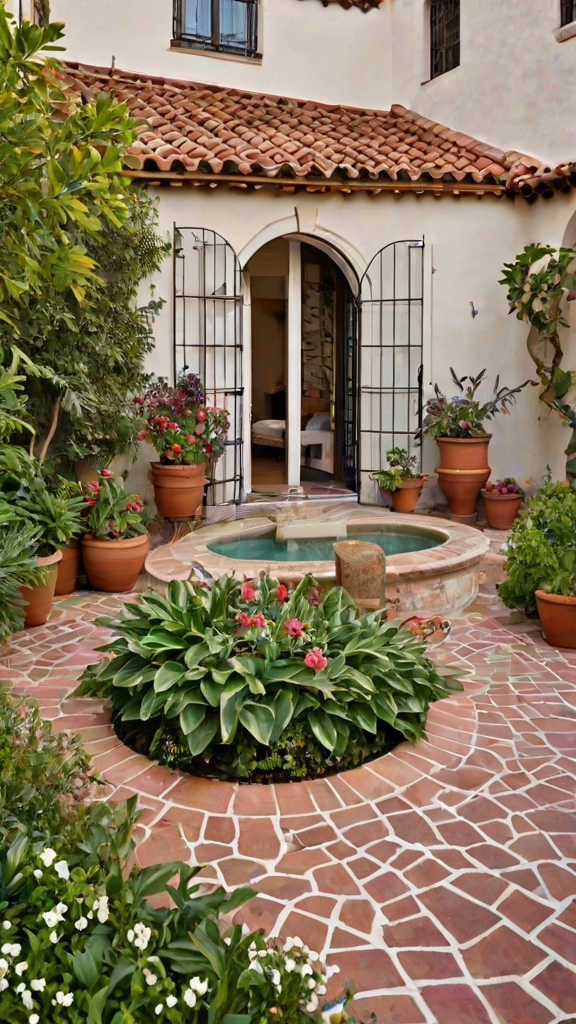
[[542, 547], [225, 669], [18, 545], [79, 941]]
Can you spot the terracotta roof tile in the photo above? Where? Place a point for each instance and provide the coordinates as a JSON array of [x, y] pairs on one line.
[[192, 127]]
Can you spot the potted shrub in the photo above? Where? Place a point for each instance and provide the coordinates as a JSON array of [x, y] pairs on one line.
[[116, 541], [502, 501], [71, 562], [459, 428], [18, 568], [400, 479], [541, 564], [188, 435]]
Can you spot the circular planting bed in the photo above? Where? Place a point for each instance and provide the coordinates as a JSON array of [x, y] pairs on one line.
[[255, 682]]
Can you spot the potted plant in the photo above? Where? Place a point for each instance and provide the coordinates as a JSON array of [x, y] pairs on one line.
[[116, 541], [400, 479], [459, 428], [18, 568], [71, 562], [502, 501], [189, 437], [541, 564]]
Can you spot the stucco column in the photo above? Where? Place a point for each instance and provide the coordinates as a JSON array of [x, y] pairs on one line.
[[294, 404], [247, 382]]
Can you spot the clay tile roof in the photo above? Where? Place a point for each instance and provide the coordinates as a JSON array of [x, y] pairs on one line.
[[198, 128]]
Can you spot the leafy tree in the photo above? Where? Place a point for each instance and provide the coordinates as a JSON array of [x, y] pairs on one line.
[[540, 281]]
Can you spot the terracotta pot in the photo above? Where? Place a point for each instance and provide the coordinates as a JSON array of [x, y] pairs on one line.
[[462, 488], [558, 618], [68, 569], [405, 498], [114, 565], [501, 509], [178, 490], [463, 452], [39, 599]]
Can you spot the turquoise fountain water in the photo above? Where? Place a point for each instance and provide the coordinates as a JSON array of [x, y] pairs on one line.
[[320, 549]]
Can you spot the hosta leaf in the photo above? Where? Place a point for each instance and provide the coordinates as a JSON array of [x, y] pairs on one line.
[[152, 703], [195, 654], [230, 703], [203, 735], [211, 691], [178, 700], [323, 728], [283, 708], [364, 716], [258, 720], [168, 675], [160, 640], [191, 717]]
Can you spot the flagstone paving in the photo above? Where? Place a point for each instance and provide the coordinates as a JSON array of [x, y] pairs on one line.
[[441, 878]]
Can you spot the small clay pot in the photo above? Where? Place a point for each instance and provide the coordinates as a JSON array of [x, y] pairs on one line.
[[558, 617], [38, 600], [68, 569], [178, 490], [501, 509], [405, 497], [114, 565]]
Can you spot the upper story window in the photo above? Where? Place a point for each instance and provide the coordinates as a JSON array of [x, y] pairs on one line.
[[227, 26], [567, 11], [444, 36]]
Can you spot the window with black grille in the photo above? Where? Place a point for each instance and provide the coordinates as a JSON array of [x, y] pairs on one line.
[[567, 11], [444, 36], [227, 26]]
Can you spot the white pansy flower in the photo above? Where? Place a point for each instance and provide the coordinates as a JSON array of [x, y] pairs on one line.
[[101, 909], [158, 1009], [11, 949], [288, 944], [61, 909], [311, 983], [65, 998], [27, 999], [20, 968], [297, 941], [171, 1001], [6, 925], [48, 856], [199, 986], [51, 918], [263, 952], [289, 965], [276, 979], [321, 990], [53, 937], [38, 984], [81, 924], [62, 870], [313, 1003], [33, 1019], [189, 997], [37, 873], [306, 970], [140, 935], [20, 988]]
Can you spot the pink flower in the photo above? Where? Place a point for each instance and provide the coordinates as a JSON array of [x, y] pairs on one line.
[[93, 486], [464, 425], [142, 434], [201, 415], [314, 596], [244, 619], [138, 401], [258, 620], [294, 627], [190, 438], [199, 428], [315, 659], [247, 592], [281, 593], [173, 426], [105, 472], [90, 501]]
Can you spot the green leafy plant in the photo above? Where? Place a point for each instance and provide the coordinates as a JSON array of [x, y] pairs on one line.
[[401, 466], [540, 281], [19, 542], [81, 943], [225, 666], [466, 417], [113, 512], [542, 547], [56, 517]]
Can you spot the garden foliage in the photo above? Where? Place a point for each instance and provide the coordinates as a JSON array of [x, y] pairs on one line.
[[465, 416], [232, 667]]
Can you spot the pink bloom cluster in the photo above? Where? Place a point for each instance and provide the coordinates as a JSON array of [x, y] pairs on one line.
[[247, 620], [315, 659]]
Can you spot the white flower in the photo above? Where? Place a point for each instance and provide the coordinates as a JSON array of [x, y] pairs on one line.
[[311, 983], [288, 944], [276, 979], [102, 910], [37, 874], [48, 856], [62, 870], [227, 940], [306, 970], [151, 979], [153, 959], [130, 935], [11, 949], [313, 956], [289, 965], [51, 918], [61, 909], [158, 1009], [263, 952], [3, 967], [6, 925], [171, 1001], [256, 966], [20, 968], [140, 935], [20, 988], [65, 998], [321, 990], [3, 984], [38, 984], [33, 1018], [90, 915], [199, 986], [333, 969], [189, 997], [312, 1004], [53, 937], [81, 924], [27, 999], [296, 941]]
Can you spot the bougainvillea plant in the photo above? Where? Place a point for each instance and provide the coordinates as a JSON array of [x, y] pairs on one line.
[[179, 424]]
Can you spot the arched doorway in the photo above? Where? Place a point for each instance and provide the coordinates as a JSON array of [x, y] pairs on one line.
[[301, 361]]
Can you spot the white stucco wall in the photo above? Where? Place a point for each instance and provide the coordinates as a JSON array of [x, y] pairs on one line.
[[467, 242], [515, 85]]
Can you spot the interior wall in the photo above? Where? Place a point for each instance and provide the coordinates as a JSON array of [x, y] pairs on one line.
[[268, 270]]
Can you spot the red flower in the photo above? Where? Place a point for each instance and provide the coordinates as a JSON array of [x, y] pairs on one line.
[[201, 415], [142, 434], [90, 501], [105, 472], [258, 620], [190, 438], [464, 425], [315, 659], [247, 592], [208, 448], [244, 619], [294, 627], [281, 593], [138, 401], [93, 486], [173, 426], [177, 448]]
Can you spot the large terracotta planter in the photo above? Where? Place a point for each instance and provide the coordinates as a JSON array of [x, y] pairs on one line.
[[463, 471], [178, 490], [114, 565], [68, 569], [405, 498], [501, 509], [38, 600], [558, 618]]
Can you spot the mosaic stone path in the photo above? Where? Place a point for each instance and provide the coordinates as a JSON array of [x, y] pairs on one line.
[[441, 878]]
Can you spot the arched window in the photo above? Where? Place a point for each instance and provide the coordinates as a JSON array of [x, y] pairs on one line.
[[567, 12], [444, 36], [227, 26]]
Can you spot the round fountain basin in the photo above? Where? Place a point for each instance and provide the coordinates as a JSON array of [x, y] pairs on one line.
[[320, 549]]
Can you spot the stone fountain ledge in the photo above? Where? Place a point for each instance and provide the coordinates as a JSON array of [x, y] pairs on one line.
[[441, 580]]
